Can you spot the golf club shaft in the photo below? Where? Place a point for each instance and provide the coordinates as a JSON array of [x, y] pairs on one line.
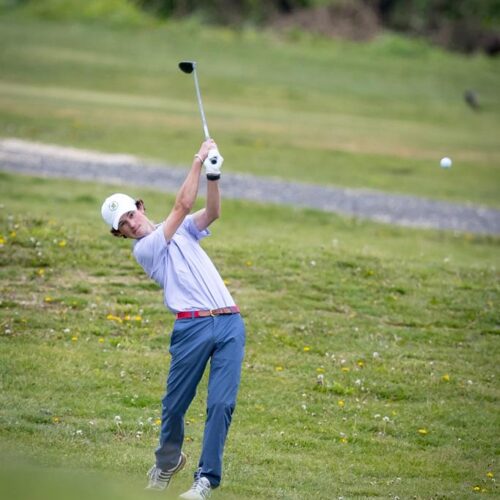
[[200, 104]]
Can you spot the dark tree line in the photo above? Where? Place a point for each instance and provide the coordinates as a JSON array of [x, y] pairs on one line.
[[401, 13], [465, 25]]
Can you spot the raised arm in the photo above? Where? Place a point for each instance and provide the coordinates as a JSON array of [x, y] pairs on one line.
[[188, 192], [204, 217]]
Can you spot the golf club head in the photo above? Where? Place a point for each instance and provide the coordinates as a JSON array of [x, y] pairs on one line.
[[187, 66], [190, 67]]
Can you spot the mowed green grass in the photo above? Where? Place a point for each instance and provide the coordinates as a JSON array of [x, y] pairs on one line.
[[401, 324], [378, 115]]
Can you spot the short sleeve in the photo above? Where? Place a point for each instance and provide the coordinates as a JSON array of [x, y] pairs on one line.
[[150, 250], [189, 227]]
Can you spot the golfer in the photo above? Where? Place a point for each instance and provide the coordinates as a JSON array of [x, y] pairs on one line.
[[208, 325]]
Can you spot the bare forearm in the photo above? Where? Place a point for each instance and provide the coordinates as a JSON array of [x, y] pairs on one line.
[[213, 200], [188, 192]]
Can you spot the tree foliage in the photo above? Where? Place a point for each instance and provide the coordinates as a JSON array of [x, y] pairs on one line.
[[465, 25], [402, 13]]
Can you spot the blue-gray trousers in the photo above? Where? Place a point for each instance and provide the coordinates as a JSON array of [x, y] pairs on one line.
[[220, 339]]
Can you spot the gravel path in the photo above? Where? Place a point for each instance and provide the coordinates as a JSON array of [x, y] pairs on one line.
[[54, 161]]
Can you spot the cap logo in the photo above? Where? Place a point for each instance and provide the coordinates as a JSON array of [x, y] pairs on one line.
[[113, 206]]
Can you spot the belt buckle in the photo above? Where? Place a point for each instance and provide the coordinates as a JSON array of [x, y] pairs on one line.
[[212, 313]]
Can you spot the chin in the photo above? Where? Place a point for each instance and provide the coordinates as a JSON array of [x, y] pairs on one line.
[[141, 234]]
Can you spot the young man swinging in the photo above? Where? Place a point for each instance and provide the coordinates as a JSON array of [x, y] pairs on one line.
[[208, 325]]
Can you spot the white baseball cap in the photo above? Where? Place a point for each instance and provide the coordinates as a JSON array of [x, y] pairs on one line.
[[115, 206]]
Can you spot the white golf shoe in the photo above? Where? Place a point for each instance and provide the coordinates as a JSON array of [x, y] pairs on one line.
[[201, 490], [159, 479]]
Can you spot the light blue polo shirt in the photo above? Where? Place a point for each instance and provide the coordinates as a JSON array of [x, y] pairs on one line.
[[181, 267]]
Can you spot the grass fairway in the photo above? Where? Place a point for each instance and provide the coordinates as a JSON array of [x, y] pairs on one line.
[[401, 324], [379, 115]]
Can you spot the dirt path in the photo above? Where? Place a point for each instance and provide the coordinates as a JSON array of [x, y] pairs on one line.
[[53, 161]]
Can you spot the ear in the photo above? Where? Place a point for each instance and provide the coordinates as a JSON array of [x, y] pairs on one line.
[[140, 206]]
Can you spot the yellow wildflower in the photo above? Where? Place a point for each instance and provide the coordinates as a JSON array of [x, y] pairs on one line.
[[361, 363], [446, 378], [74, 338], [48, 299], [101, 340], [279, 368], [423, 432], [490, 475], [112, 317], [307, 348], [13, 234], [41, 272], [320, 370], [137, 317], [158, 421], [341, 403], [62, 243], [346, 369]]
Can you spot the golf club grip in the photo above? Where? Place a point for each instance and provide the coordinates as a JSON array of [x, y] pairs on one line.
[[213, 156], [213, 161]]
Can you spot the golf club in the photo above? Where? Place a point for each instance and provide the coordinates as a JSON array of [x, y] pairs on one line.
[[190, 67]]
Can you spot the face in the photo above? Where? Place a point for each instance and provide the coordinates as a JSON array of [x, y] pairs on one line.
[[135, 224]]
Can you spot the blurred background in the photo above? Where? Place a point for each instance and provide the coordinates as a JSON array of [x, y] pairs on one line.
[[463, 25], [361, 93]]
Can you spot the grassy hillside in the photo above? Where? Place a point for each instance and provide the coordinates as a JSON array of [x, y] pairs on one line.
[[401, 324], [379, 115]]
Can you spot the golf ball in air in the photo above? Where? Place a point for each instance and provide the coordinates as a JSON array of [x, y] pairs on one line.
[[446, 162]]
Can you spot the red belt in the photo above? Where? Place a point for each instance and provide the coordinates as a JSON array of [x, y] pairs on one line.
[[210, 312]]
